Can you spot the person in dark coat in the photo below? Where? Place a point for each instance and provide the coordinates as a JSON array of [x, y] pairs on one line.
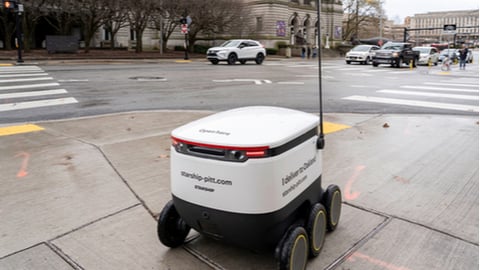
[[463, 57]]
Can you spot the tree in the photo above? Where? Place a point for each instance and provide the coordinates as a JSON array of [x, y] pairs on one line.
[[141, 12], [93, 14], [62, 15], [34, 10], [213, 17], [116, 18], [359, 12], [7, 21]]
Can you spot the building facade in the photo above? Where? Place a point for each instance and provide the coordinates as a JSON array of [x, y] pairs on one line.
[[466, 32]]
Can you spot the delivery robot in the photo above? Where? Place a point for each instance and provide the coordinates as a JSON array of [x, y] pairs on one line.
[[251, 177]]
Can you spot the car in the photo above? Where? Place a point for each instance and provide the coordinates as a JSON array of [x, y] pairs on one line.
[[362, 54], [469, 55], [450, 53], [428, 55], [234, 50]]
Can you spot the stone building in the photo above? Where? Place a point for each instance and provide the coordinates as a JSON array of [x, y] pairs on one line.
[[466, 22]]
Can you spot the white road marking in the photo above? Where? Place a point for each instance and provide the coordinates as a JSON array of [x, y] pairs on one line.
[[27, 86], [36, 104], [33, 93], [415, 103], [438, 88], [27, 80], [429, 94]]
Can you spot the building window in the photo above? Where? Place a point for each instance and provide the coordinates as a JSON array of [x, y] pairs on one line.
[[259, 24]]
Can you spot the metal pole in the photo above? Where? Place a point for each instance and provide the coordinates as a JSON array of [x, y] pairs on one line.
[[321, 137], [186, 46], [19, 34]]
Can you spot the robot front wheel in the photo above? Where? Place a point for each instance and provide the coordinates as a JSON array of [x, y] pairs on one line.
[[171, 228], [299, 243]]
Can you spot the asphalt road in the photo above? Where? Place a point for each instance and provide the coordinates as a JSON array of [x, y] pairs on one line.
[[100, 88]]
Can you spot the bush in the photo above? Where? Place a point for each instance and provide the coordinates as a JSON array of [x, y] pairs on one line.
[[202, 49], [271, 51], [179, 48], [281, 44]]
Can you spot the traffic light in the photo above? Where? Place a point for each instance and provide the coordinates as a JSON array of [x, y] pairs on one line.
[[8, 4]]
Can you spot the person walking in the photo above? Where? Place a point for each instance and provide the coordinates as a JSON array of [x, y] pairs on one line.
[[463, 57]]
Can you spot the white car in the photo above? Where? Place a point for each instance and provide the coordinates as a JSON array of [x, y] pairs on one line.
[[428, 55], [361, 53], [234, 50]]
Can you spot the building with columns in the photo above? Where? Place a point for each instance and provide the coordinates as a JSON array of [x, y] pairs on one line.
[[466, 22]]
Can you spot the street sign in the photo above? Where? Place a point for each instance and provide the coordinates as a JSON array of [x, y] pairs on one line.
[[449, 28], [184, 28]]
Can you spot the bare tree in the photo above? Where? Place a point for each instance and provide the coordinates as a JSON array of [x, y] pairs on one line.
[[7, 21], [116, 18], [93, 14], [358, 12], [141, 12], [34, 10], [167, 18], [62, 15], [213, 16]]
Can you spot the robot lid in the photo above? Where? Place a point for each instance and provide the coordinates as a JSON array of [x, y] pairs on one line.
[[246, 127]]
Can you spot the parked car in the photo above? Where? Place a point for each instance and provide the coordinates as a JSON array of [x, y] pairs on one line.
[[362, 54], [234, 50], [469, 55], [428, 55], [450, 53]]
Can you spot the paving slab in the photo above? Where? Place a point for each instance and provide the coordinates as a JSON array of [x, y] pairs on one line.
[[419, 168], [39, 257], [405, 246], [113, 128], [354, 225], [52, 185], [126, 240], [145, 166]]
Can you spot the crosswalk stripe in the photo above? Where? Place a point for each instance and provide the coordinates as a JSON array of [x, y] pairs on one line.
[[439, 88], [452, 84], [27, 80], [429, 94], [36, 104], [24, 75], [27, 86], [416, 103], [33, 93]]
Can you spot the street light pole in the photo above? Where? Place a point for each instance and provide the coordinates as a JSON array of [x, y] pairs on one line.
[[18, 13]]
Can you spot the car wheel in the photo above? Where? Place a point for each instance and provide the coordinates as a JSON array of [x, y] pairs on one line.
[[171, 228], [400, 62], [375, 64], [368, 60], [214, 61], [243, 62], [316, 228], [259, 59], [294, 250], [232, 58]]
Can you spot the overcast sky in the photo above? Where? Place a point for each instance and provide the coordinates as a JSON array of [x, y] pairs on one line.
[[399, 9]]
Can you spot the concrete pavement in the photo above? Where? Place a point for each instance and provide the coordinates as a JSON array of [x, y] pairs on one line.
[[84, 194]]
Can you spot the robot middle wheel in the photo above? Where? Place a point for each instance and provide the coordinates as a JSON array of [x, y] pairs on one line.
[[332, 200], [171, 228], [316, 228]]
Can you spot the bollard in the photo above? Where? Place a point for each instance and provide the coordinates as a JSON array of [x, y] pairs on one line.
[[411, 64]]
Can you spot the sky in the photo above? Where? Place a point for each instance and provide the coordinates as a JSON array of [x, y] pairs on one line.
[[397, 10]]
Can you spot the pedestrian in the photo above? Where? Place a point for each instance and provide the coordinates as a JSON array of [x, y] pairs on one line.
[[309, 52], [315, 51], [463, 57], [303, 52]]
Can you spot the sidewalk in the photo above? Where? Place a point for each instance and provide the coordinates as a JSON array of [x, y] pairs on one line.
[[85, 193]]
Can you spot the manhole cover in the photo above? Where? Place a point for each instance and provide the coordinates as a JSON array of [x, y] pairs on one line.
[[149, 78]]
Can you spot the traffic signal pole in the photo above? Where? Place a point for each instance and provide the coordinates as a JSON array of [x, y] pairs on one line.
[[18, 9]]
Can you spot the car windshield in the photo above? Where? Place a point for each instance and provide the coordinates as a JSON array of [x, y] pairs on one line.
[[230, 43], [390, 46], [448, 52], [361, 48], [422, 49]]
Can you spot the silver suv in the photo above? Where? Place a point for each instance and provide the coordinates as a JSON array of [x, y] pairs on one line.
[[234, 50]]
